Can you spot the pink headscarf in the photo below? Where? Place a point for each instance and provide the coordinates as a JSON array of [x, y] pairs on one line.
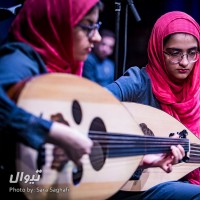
[[180, 101], [47, 26]]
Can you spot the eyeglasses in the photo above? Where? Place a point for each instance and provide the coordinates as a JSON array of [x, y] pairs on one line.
[[90, 30], [176, 57]]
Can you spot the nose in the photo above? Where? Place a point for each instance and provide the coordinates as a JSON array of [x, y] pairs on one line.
[[96, 37], [184, 61]]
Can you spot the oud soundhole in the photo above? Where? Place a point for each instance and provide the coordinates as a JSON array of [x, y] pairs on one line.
[[76, 112], [77, 174], [96, 133]]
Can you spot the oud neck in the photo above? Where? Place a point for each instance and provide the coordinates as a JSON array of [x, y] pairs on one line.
[[194, 153], [123, 145]]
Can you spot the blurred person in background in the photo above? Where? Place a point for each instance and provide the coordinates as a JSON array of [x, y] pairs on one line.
[[99, 67]]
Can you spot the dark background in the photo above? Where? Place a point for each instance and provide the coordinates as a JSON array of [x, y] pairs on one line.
[[5, 18], [139, 32]]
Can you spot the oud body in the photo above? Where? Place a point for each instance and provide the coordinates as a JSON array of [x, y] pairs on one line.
[[80, 103], [162, 124]]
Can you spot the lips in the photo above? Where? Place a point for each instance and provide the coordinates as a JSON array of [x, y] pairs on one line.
[[182, 71], [88, 50]]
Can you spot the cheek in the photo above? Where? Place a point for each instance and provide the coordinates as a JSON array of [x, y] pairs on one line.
[[80, 50], [170, 69], [110, 51], [77, 47], [192, 68]]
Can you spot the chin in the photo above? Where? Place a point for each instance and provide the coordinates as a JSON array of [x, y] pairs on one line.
[[180, 79], [82, 58]]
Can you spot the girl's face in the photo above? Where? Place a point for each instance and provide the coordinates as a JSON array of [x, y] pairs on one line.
[[181, 52], [83, 37]]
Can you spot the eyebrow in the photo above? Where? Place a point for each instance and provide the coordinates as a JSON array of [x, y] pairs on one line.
[[177, 49]]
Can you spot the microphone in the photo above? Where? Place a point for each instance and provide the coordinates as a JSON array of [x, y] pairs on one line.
[[6, 13], [134, 10]]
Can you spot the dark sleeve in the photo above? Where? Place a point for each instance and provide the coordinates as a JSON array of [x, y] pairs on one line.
[[89, 68], [28, 129], [18, 62], [129, 86], [134, 86], [115, 90]]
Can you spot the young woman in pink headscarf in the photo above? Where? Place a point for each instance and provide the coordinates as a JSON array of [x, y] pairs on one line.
[[50, 36], [170, 81], [46, 36]]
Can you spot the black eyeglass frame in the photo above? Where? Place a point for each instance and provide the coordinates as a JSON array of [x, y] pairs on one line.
[[89, 28]]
